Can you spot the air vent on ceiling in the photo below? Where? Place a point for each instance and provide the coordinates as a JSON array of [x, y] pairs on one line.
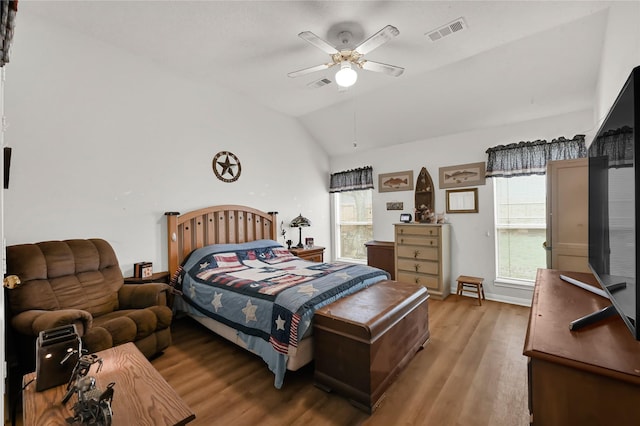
[[318, 83], [452, 27]]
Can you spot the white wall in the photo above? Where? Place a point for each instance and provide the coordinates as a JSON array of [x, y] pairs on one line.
[[104, 144], [472, 245], [620, 54]]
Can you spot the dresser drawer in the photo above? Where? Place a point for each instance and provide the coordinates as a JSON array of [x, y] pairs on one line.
[[318, 257], [417, 240], [428, 231], [419, 266], [418, 252], [429, 281]]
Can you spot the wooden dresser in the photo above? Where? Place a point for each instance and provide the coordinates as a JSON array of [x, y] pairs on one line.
[[423, 256], [585, 377], [381, 254]]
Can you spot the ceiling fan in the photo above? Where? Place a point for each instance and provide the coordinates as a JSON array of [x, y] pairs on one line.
[[349, 57]]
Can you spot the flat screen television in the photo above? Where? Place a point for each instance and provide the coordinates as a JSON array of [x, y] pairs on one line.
[[614, 182]]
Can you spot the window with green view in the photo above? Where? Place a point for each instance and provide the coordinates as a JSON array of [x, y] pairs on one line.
[[520, 220]]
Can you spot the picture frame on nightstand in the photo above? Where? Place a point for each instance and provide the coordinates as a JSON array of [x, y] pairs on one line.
[[308, 242], [142, 270]]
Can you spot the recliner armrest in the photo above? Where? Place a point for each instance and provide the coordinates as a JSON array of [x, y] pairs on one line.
[[34, 321], [139, 296]]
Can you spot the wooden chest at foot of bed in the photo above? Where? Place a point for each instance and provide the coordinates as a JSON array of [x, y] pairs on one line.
[[363, 341]]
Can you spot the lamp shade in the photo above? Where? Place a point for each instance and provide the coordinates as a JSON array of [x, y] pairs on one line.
[[300, 221], [346, 76]]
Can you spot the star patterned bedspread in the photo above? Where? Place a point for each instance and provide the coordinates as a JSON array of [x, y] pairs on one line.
[[261, 289]]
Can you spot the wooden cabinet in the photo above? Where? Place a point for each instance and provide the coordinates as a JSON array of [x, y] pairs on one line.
[[313, 254], [423, 256], [586, 377], [381, 254]]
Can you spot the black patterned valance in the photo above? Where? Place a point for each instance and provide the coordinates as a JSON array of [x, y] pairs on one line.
[[352, 180], [617, 145], [530, 158], [8, 10]]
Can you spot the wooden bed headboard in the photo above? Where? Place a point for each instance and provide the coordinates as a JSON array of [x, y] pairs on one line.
[[225, 224]]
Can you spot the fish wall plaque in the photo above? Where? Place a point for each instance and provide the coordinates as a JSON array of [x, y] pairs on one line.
[[471, 174], [398, 181]]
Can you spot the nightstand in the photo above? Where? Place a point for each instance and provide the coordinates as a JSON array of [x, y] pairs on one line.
[[157, 277], [313, 254]]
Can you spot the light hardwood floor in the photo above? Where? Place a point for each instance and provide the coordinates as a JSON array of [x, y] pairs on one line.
[[472, 372]]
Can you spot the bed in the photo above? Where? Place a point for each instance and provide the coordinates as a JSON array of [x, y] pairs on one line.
[[234, 278]]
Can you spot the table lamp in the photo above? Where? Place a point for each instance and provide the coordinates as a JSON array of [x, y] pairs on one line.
[[300, 222]]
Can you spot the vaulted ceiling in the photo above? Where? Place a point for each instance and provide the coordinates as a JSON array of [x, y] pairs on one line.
[[513, 61]]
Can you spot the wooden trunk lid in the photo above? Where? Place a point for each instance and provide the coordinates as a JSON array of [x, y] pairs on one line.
[[367, 314]]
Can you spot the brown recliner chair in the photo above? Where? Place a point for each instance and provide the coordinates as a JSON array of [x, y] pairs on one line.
[[80, 282]]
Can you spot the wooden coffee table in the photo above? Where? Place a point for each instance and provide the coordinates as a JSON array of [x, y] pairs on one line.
[[141, 395]]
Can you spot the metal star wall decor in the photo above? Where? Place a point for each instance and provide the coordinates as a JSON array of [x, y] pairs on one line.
[[226, 166]]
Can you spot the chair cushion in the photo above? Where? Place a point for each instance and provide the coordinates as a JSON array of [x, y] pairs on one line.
[[70, 274], [127, 325]]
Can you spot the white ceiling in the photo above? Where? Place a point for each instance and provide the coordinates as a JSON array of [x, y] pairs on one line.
[[515, 60]]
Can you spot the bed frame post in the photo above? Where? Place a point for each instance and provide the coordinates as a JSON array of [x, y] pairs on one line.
[[274, 225], [172, 241]]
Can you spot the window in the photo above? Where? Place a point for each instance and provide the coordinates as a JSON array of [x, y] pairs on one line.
[[520, 220], [354, 224]]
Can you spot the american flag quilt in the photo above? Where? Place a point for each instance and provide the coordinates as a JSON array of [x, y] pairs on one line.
[[263, 290]]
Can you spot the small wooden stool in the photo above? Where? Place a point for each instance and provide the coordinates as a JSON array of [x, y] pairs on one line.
[[474, 284]]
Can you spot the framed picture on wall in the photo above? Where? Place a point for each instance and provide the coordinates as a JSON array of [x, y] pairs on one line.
[[462, 200], [395, 205], [398, 181], [471, 174]]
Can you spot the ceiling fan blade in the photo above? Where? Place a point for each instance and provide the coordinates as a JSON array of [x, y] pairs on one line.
[[309, 70], [318, 42], [391, 70], [377, 40]]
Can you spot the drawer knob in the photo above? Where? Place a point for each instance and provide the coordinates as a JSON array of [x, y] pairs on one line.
[[417, 266], [401, 240], [416, 253], [401, 231], [431, 242], [417, 280]]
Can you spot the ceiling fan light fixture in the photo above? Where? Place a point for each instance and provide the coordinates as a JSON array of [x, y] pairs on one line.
[[346, 75]]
